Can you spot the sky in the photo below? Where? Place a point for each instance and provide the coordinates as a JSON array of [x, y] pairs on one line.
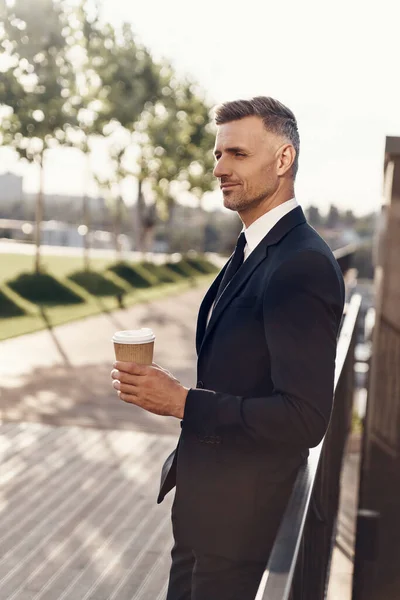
[[336, 65]]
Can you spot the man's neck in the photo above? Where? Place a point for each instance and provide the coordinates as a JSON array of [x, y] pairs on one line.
[[253, 213]]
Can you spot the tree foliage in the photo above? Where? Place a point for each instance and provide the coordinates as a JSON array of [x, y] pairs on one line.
[[314, 216], [177, 141], [68, 79], [36, 75]]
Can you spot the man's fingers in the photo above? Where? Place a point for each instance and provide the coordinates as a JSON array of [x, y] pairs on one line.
[[128, 398], [126, 388], [131, 367], [131, 399], [126, 377]]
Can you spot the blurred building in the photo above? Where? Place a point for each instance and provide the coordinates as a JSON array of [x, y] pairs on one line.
[[11, 193], [59, 233], [69, 208], [17, 204]]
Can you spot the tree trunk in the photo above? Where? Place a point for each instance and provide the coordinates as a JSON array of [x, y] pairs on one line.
[[147, 240], [39, 216], [204, 228], [140, 206], [117, 227], [170, 225], [86, 218]]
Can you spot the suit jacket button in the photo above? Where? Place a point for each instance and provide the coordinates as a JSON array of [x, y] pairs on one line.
[[200, 384]]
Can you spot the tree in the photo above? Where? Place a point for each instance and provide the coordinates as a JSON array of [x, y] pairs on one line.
[[314, 216], [366, 225], [349, 218], [333, 217], [111, 182], [158, 126], [90, 43], [176, 141], [130, 82], [34, 86]]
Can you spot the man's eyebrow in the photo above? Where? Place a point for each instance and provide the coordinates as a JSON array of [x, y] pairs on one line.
[[231, 150]]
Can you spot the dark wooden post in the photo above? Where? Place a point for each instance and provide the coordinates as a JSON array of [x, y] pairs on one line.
[[378, 574]]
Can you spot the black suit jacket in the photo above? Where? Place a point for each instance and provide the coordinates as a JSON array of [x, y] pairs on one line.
[[264, 393]]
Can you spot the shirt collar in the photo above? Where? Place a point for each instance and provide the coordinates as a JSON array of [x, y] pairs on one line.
[[263, 225]]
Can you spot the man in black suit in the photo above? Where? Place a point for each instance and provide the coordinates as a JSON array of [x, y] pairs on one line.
[[266, 343]]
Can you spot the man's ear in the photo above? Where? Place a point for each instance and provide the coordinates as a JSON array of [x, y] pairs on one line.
[[286, 158]]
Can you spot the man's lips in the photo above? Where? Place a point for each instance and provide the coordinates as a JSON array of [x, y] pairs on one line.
[[224, 186]]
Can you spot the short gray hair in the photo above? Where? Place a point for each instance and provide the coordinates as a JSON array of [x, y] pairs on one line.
[[277, 118]]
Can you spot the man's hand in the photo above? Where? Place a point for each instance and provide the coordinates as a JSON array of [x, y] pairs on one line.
[[151, 387]]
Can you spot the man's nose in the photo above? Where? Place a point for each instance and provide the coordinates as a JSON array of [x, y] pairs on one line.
[[222, 169]]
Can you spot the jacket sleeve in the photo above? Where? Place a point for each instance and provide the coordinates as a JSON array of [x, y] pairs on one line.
[[302, 307]]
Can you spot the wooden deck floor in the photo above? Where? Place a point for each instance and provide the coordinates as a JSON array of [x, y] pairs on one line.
[[78, 516]]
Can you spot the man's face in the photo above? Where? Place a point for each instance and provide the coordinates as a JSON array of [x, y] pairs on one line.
[[246, 155]]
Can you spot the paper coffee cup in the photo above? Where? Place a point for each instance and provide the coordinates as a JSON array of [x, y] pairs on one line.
[[135, 345]]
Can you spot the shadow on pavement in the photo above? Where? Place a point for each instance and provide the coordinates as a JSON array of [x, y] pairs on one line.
[[82, 396], [54, 337], [62, 376]]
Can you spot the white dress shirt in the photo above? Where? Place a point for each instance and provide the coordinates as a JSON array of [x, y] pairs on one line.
[[259, 229], [263, 225]]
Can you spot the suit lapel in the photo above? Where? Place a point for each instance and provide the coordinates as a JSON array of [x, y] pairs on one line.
[[205, 306], [284, 225], [233, 287]]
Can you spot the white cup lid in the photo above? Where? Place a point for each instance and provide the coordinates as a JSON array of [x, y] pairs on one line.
[[134, 336]]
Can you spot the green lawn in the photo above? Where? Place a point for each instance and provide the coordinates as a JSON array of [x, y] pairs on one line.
[[12, 264], [60, 267]]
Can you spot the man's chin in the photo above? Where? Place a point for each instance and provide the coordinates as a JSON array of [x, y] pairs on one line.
[[229, 205], [231, 202]]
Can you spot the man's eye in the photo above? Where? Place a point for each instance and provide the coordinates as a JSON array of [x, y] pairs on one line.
[[239, 154]]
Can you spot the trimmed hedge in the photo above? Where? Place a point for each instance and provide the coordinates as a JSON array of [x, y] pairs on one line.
[[201, 264], [95, 283], [162, 272], [41, 288], [8, 308], [135, 274], [183, 268], [18, 295]]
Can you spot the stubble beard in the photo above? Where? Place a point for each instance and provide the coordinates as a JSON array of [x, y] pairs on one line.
[[242, 203]]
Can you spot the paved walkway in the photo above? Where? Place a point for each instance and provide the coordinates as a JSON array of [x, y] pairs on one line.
[[62, 376], [79, 469]]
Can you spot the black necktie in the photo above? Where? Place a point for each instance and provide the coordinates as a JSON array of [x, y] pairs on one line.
[[236, 262]]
